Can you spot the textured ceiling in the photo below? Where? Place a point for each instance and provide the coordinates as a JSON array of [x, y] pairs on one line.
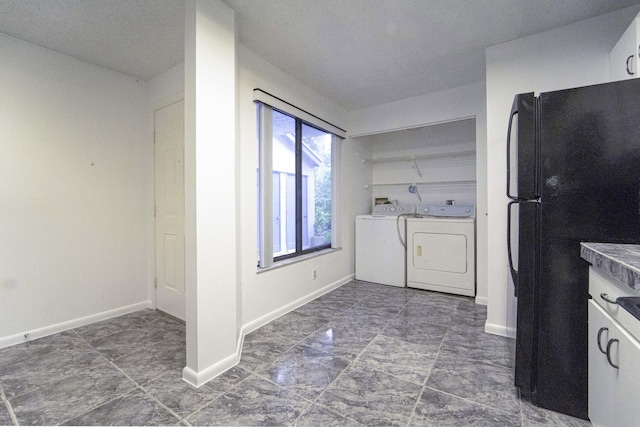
[[360, 53], [141, 38], [356, 53]]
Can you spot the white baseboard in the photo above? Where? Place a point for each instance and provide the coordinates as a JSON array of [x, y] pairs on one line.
[[501, 330], [71, 324], [269, 317], [198, 378]]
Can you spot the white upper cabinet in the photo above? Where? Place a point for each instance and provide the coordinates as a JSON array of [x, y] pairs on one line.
[[623, 58]]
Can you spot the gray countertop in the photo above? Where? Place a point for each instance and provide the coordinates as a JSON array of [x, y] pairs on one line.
[[621, 261]]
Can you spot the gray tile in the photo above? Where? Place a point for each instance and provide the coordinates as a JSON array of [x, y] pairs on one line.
[[48, 367], [436, 408], [5, 417], [362, 287], [405, 360], [468, 307], [118, 344], [228, 379], [316, 416], [294, 325], [438, 299], [254, 402], [343, 342], [478, 345], [111, 326], [431, 314], [181, 397], [361, 318], [427, 334], [261, 348], [31, 352], [483, 383], [184, 399], [163, 361], [135, 409], [71, 396], [344, 294], [324, 309], [540, 416], [305, 370], [371, 397], [159, 317], [383, 304]]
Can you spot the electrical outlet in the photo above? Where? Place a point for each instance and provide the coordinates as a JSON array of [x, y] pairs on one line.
[[314, 274]]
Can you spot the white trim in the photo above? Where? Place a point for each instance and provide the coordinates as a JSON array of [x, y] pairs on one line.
[[71, 324], [198, 379], [261, 321], [501, 330], [285, 107]]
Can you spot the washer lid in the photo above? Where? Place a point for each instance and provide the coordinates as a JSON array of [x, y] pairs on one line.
[[447, 211]]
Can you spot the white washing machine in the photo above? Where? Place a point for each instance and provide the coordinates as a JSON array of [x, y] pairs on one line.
[[380, 255], [441, 249]]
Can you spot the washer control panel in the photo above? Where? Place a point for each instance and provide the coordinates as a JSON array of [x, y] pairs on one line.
[[392, 210]]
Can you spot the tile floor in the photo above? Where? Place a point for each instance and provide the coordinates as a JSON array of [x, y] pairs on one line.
[[363, 354]]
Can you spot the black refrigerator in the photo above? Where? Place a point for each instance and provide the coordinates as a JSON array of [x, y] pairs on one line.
[[573, 174]]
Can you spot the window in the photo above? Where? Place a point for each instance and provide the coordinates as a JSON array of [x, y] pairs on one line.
[[296, 185]]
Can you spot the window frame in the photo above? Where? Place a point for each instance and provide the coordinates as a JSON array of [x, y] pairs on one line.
[[264, 116]]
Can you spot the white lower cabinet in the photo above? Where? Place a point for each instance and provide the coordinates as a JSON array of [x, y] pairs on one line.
[[614, 371], [627, 405], [602, 377]]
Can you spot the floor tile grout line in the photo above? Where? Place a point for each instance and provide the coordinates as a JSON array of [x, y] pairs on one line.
[[7, 404], [137, 386], [236, 385], [415, 405]]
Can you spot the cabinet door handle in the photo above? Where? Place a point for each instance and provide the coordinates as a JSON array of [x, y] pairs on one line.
[[600, 345], [629, 71], [609, 344], [605, 297]]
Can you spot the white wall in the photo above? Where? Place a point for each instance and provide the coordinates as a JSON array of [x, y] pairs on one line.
[[459, 103], [166, 88], [575, 55], [268, 294], [391, 179], [76, 192]]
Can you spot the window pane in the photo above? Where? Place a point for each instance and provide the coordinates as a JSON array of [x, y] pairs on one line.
[[284, 163], [316, 172]]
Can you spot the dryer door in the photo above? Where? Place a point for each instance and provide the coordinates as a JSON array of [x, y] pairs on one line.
[[441, 255], [440, 252]]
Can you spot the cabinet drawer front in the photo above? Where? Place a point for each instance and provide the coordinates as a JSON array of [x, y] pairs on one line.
[[603, 287]]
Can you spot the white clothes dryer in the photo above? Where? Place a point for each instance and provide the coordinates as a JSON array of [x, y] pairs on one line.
[[380, 255], [441, 249]]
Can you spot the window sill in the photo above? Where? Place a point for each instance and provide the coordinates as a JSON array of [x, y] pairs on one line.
[[286, 262]]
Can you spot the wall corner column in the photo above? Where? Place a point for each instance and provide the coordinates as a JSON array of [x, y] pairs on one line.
[[210, 177]]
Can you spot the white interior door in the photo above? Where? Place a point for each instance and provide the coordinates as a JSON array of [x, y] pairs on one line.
[[169, 198]]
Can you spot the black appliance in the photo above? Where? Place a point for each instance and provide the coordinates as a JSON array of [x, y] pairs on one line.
[[573, 174]]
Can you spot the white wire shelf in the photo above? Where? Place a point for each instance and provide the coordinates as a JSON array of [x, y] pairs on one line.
[[421, 157]]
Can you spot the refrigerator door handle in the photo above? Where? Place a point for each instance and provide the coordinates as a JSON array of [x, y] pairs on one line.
[[513, 271], [514, 112]]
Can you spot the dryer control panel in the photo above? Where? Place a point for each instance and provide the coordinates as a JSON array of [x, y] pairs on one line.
[[447, 211]]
